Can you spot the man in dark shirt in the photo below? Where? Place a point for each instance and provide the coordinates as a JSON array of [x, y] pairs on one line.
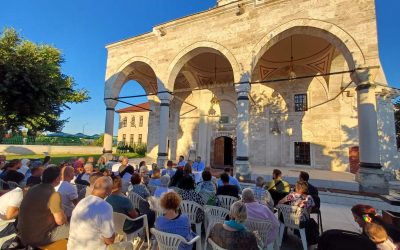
[[313, 191], [226, 188]]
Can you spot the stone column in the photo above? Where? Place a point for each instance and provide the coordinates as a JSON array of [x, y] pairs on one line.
[[242, 165], [370, 175], [162, 155], [109, 127]]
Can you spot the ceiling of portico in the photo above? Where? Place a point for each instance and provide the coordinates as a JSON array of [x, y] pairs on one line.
[[204, 71], [143, 74], [311, 55]]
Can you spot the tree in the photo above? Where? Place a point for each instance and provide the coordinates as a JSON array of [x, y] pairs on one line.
[[33, 90]]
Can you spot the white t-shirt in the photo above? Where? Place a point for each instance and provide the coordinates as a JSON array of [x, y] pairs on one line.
[[68, 193], [115, 168], [91, 220], [12, 198]]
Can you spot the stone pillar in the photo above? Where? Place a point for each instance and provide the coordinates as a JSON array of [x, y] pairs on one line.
[[242, 165], [109, 128], [370, 175], [162, 155]]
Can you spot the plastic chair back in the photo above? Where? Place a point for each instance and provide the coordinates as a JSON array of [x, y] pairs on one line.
[[226, 201]]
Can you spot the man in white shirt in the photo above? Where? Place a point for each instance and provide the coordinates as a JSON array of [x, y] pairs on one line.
[[68, 192], [92, 225], [9, 209]]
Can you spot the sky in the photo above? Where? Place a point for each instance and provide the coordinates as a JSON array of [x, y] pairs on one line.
[[82, 28]]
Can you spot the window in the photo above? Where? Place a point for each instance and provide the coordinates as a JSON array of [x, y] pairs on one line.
[[140, 138], [124, 138], [124, 122], [133, 121], [300, 102], [141, 121], [302, 153], [131, 140]]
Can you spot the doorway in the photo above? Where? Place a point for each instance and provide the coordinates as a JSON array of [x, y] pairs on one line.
[[223, 152]]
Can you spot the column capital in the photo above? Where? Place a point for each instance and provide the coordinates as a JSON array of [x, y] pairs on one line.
[[110, 103], [165, 97], [361, 77]]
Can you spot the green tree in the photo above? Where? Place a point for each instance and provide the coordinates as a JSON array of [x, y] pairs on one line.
[[33, 90]]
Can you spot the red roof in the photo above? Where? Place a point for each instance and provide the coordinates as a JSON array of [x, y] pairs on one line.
[[137, 108]]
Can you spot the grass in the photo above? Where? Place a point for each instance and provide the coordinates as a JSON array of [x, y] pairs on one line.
[[58, 158]]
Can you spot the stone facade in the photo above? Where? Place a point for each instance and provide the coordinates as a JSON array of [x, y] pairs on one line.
[[198, 59]]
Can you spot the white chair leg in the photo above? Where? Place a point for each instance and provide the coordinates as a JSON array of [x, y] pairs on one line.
[[281, 231], [303, 238], [198, 232]]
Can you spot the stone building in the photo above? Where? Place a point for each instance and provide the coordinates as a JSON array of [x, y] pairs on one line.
[[264, 83], [133, 124]]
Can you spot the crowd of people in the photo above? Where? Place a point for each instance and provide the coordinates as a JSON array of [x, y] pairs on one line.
[[51, 203]]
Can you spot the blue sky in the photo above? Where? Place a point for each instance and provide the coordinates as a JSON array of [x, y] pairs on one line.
[[82, 28]]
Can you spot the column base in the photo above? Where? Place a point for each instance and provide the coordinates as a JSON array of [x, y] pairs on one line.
[[372, 180], [243, 170], [161, 159]]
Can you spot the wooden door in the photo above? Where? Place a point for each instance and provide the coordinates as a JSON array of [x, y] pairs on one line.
[[219, 144]]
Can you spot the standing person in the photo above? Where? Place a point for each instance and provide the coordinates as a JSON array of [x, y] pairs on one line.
[[41, 220], [181, 163], [278, 188], [198, 165], [92, 225], [169, 170], [68, 192]]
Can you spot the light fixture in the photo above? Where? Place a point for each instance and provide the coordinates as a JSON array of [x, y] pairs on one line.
[[291, 73]]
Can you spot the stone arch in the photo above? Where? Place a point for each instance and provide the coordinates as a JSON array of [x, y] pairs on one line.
[[118, 78], [195, 49], [343, 41]]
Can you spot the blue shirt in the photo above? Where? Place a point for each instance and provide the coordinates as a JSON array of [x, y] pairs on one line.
[[123, 205], [232, 181], [155, 182], [170, 172], [180, 225], [198, 166]]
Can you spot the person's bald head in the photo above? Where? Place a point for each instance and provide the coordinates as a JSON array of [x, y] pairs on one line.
[[67, 173], [102, 187]]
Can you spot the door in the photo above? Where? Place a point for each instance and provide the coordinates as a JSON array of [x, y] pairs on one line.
[[219, 145]]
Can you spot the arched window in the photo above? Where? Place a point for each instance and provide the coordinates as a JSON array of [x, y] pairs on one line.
[[133, 121], [124, 122], [141, 121]]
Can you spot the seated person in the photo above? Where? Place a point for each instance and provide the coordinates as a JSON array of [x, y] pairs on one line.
[[169, 170], [261, 195], [36, 176], [83, 178], [206, 188], [85, 192], [9, 209], [177, 178], [13, 165], [198, 165], [121, 204], [232, 234], [155, 177], [92, 225], [377, 234], [163, 188], [232, 180], [226, 188], [68, 192], [260, 212], [181, 163], [125, 170], [313, 191], [187, 192], [41, 219], [137, 187], [12, 176], [278, 188], [299, 198], [172, 221]]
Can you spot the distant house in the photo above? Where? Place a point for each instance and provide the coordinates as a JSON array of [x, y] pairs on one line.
[[133, 124]]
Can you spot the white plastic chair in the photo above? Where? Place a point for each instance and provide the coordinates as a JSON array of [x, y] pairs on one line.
[[167, 241], [213, 215], [226, 201], [291, 217], [3, 184], [119, 220], [135, 199], [191, 208], [264, 228], [214, 245], [3, 224]]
